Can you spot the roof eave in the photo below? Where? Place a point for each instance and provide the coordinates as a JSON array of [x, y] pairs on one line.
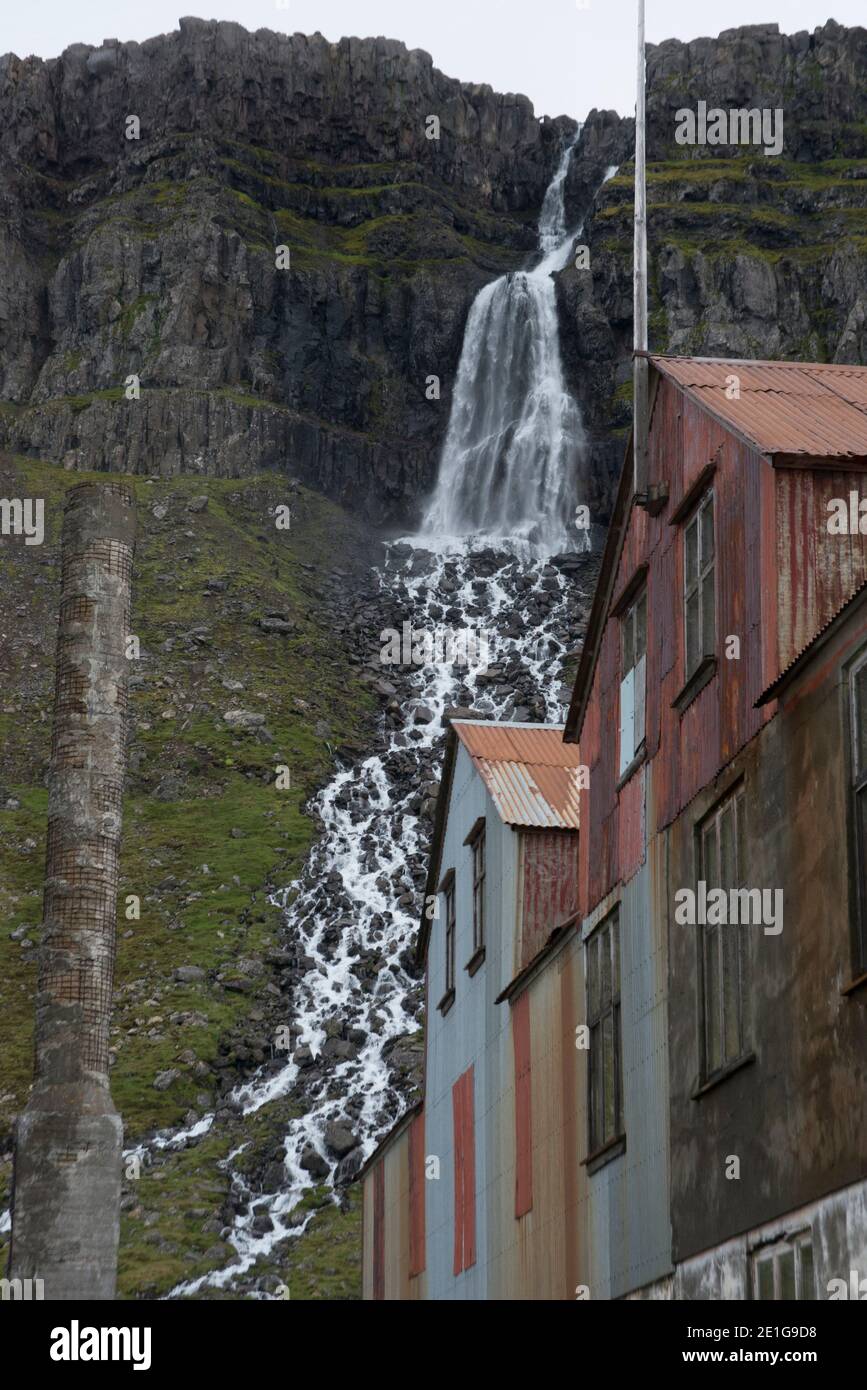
[[779, 686]]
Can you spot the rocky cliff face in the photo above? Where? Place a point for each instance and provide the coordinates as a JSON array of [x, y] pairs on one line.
[[155, 257], [749, 256]]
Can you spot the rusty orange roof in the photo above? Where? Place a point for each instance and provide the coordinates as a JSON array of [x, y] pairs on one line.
[[531, 774], [800, 410]]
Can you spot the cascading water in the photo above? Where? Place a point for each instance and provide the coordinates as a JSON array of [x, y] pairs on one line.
[[510, 467], [488, 558]]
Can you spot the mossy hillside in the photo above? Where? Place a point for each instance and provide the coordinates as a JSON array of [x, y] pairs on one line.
[[713, 221], [774, 209], [173, 1218], [199, 794]]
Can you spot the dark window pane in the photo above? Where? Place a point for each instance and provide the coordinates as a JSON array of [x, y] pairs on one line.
[[593, 978], [627, 629], [708, 616], [806, 1281], [861, 862], [707, 534], [605, 949], [710, 862], [641, 628], [712, 998], [731, 991], [740, 841], [786, 1274], [859, 721], [608, 1049], [618, 1071], [691, 554], [693, 632], [596, 1086], [765, 1289], [728, 868]]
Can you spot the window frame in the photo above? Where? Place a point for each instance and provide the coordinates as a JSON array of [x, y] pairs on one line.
[[599, 1143], [734, 798], [771, 1254], [630, 634], [705, 573], [857, 798], [478, 850], [448, 888]]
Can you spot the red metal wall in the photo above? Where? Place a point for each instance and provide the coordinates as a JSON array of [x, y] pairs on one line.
[[523, 1105], [550, 886], [686, 752], [818, 571], [416, 1196], [465, 1171]]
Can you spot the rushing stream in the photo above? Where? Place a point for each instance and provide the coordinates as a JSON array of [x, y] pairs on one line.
[[495, 555]]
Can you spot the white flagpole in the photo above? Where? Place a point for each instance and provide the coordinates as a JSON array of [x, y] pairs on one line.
[[640, 365]]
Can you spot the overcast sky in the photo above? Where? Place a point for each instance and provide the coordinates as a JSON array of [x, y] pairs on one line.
[[566, 55]]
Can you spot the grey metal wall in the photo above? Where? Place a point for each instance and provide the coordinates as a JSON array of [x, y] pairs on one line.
[[473, 1033], [630, 1226]]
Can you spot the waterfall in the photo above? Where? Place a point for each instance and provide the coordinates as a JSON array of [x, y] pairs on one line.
[[510, 465], [508, 474]]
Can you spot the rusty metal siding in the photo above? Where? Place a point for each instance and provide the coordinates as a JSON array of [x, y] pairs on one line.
[[631, 825], [818, 570], [796, 1117], [549, 886], [523, 1106], [475, 1031], [464, 1141], [628, 1199], [542, 1254], [469, 1166], [367, 1236], [416, 1162], [687, 750]]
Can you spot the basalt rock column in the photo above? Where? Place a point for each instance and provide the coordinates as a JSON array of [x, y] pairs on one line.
[[66, 1197]]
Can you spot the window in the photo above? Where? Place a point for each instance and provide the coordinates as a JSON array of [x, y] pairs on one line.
[[450, 932], [478, 848], [633, 664], [698, 588], [785, 1270], [603, 1019], [723, 948], [447, 888], [858, 709]]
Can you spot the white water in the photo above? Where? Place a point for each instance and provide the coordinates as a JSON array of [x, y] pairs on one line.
[[511, 463], [372, 848]]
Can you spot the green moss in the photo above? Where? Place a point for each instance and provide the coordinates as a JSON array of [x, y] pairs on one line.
[[132, 311], [227, 812]]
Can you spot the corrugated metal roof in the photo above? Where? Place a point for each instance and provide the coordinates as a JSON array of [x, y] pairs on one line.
[[531, 774], [806, 409]]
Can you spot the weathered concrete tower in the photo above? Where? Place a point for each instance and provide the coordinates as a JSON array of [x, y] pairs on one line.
[[66, 1194]]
